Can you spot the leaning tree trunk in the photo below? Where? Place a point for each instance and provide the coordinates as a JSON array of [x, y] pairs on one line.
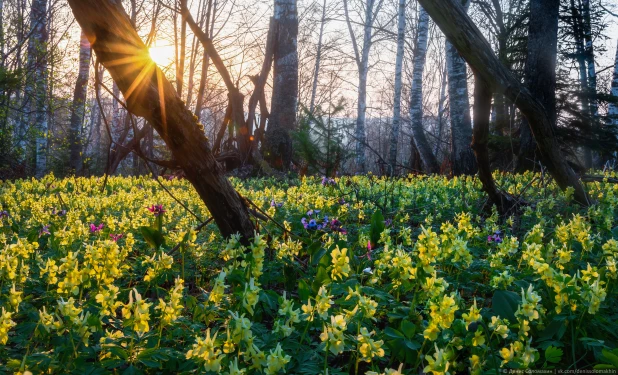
[[416, 95], [401, 35], [474, 48], [540, 72], [282, 121], [78, 108], [150, 95]]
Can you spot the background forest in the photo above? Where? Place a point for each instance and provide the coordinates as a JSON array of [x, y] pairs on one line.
[[363, 86]]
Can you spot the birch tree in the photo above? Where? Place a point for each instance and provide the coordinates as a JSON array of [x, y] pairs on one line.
[[282, 120], [78, 107], [430, 163], [462, 157], [361, 56], [394, 137]]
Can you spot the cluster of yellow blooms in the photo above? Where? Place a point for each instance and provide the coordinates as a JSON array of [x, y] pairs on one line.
[[102, 280]]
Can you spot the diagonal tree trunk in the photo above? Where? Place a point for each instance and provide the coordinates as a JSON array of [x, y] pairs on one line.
[[430, 163], [394, 138], [469, 41], [540, 72], [150, 95], [78, 108], [278, 139]]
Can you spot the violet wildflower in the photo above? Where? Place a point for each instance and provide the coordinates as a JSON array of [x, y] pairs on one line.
[[156, 209], [44, 230], [4, 214], [496, 237], [116, 237], [96, 228]]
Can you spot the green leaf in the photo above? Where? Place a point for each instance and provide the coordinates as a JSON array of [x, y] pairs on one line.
[[377, 227], [154, 237], [505, 303], [393, 333], [611, 357], [553, 354], [412, 345], [408, 328], [303, 290]]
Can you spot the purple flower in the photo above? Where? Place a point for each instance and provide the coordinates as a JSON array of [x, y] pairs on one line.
[[4, 214], [156, 209], [96, 228], [328, 181], [44, 230], [116, 237], [275, 204], [312, 225], [388, 222], [495, 237]]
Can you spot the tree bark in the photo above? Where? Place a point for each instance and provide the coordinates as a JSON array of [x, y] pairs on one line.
[[209, 27], [318, 59], [540, 72], [362, 63], [33, 127], [469, 41], [462, 157], [612, 112], [482, 112], [401, 35], [150, 95], [278, 139], [78, 108], [430, 163]]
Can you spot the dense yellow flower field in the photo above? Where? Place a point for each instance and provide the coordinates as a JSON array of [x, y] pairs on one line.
[[358, 275]]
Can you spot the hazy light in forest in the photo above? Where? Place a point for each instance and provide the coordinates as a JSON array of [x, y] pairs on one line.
[[162, 55]]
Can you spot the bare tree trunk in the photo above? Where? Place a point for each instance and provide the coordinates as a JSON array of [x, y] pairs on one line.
[[362, 63], [401, 35], [482, 112], [578, 33], [318, 58], [462, 157], [469, 41], [612, 112], [150, 95], [78, 108], [282, 121], [36, 87], [591, 158], [209, 26], [540, 72], [180, 72], [441, 111], [430, 163]]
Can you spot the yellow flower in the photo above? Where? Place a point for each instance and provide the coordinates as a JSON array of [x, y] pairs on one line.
[[341, 264], [276, 360], [5, 325], [473, 316], [15, 298], [207, 351], [438, 365], [431, 332], [368, 347]]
